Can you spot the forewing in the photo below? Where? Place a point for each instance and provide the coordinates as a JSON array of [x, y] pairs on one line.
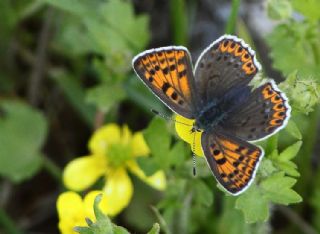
[[264, 113], [233, 161], [226, 63], [167, 71]]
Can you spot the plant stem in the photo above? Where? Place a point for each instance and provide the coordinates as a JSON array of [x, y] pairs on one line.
[[178, 22], [40, 60], [185, 214], [296, 219], [231, 24], [52, 168], [99, 119], [7, 223]]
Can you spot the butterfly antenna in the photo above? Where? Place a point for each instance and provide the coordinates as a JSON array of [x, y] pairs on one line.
[[169, 118], [193, 154]]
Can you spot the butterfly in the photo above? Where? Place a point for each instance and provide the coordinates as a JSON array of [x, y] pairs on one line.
[[217, 95]]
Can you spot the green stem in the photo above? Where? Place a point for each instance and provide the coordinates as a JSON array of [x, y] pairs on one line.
[[7, 223], [316, 53], [185, 214], [231, 24], [178, 22], [52, 168]]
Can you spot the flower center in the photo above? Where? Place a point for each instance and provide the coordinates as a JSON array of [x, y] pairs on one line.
[[118, 154]]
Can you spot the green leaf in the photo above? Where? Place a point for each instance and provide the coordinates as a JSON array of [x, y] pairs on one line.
[[148, 165], [134, 29], [279, 9], [101, 226], [303, 37], [288, 167], [119, 230], [23, 131], [303, 92], [202, 193], [178, 153], [278, 188], [266, 167], [105, 96], [290, 152], [158, 139], [238, 224], [76, 7], [254, 206], [309, 8], [155, 229], [293, 130]]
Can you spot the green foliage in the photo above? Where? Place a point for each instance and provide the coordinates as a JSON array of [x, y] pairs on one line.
[[308, 8], [88, 60], [300, 37], [255, 202], [104, 225], [293, 130], [254, 205], [99, 32], [279, 9], [303, 93], [26, 128], [165, 156]]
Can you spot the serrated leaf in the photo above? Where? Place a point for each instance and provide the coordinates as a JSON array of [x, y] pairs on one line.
[[290, 152], [254, 206], [155, 229], [288, 167], [300, 35], [102, 225], [277, 188], [22, 133], [293, 130], [119, 230], [266, 167]]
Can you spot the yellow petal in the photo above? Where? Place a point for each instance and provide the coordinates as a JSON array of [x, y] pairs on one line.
[[157, 180], [126, 135], [186, 134], [82, 172], [118, 192], [139, 145], [70, 211], [104, 136]]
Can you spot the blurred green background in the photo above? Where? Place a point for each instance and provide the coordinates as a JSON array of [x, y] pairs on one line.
[[65, 70]]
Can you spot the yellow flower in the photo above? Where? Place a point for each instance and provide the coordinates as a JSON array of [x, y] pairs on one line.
[[113, 151], [184, 129], [72, 210]]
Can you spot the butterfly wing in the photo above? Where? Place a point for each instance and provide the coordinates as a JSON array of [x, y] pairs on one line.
[[167, 71], [264, 113], [226, 63], [233, 161]]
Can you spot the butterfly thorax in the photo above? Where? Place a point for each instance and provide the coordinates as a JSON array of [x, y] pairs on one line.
[[217, 111], [210, 116]]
